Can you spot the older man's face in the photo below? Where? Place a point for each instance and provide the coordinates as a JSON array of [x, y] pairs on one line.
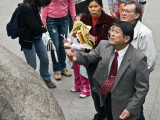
[[117, 39], [128, 14]]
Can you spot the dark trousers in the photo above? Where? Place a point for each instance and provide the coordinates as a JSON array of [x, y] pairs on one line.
[[101, 113], [105, 111], [108, 108], [141, 117]]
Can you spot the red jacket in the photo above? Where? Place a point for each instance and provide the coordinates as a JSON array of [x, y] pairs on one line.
[[102, 26]]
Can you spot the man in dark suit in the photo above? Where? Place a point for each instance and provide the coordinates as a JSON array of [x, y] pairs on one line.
[[121, 78]]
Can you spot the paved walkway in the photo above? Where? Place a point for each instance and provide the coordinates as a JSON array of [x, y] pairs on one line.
[[73, 107]]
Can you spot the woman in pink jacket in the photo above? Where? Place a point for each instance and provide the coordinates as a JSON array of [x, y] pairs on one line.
[[55, 19]]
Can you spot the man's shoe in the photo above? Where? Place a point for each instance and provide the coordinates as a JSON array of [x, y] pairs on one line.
[[50, 84], [66, 73], [101, 115], [57, 76], [100, 118]]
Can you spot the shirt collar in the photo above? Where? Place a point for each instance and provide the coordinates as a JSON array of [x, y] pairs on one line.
[[122, 52]]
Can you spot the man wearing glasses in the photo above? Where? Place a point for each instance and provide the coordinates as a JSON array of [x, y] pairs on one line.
[[143, 40], [121, 78], [115, 7]]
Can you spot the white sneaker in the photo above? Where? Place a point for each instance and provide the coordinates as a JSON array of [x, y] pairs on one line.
[[74, 90], [83, 96]]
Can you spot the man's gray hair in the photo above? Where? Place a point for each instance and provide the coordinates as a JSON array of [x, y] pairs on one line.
[[138, 8]]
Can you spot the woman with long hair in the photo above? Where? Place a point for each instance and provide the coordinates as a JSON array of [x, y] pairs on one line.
[[30, 38]]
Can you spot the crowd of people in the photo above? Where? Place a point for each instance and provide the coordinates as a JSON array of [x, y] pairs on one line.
[[115, 72]]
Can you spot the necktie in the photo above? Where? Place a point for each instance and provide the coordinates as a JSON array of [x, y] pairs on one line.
[[107, 85]]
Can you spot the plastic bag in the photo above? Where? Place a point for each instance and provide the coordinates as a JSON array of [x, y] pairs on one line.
[[49, 44]]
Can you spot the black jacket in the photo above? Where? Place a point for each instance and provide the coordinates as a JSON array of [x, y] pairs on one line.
[[30, 24], [81, 7]]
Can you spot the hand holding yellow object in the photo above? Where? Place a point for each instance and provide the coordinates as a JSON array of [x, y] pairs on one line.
[[81, 32]]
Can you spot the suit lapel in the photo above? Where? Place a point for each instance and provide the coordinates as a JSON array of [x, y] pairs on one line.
[[123, 66], [107, 56], [107, 51]]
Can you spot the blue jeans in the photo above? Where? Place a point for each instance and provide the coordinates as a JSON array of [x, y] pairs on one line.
[[56, 28], [30, 55], [70, 24]]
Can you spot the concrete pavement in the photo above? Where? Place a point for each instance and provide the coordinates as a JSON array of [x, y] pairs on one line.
[[73, 107]]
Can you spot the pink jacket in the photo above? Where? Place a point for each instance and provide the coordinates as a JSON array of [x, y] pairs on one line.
[[58, 9]]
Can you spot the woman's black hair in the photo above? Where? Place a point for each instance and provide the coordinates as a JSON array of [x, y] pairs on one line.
[[37, 4], [98, 1]]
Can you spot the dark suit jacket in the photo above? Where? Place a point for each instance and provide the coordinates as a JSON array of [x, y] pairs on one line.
[[131, 83]]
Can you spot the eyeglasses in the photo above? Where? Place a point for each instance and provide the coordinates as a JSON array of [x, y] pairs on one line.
[[113, 30], [126, 10]]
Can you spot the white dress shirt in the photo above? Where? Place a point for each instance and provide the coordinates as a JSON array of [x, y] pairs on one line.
[[119, 57]]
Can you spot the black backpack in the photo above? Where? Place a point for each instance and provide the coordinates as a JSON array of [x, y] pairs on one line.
[[12, 27]]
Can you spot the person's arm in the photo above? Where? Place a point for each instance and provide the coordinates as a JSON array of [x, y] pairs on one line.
[[141, 85], [112, 13], [110, 5], [146, 45], [44, 15], [89, 58], [72, 10], [31, 20], [83, 58]]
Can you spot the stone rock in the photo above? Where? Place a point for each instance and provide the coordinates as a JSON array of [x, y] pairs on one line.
[[23, 94]]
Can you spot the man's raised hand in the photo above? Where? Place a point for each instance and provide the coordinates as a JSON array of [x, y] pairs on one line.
[[71, 55]]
